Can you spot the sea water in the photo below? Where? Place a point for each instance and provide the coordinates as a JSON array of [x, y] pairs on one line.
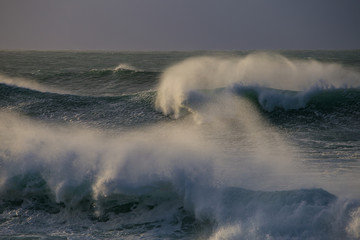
[[180, 145]]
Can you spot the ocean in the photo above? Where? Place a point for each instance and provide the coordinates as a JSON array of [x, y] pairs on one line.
[[180, 145]]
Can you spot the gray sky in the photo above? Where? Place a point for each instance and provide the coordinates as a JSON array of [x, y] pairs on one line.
[[179, 24]]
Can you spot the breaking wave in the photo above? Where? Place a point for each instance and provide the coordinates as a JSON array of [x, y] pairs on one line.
[[278, 82]]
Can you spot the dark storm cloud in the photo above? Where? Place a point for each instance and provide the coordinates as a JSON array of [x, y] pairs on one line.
[[179, 25]]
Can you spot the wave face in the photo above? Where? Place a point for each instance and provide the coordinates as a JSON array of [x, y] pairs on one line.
[[233, 145]]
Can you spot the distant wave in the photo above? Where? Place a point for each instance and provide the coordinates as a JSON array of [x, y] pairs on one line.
[[126, 67], [122, 67]]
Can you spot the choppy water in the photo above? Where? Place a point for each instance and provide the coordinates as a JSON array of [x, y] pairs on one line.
[[180, 145]]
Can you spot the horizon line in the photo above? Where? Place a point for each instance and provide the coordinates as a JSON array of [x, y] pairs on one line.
[[175, 50]]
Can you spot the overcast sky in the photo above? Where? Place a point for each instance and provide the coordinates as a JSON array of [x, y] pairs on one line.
[[179, 24]]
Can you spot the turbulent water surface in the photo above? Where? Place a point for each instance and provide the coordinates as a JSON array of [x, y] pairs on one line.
[[180, 145]]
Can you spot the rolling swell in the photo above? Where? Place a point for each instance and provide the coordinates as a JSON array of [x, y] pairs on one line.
[[108, 112]]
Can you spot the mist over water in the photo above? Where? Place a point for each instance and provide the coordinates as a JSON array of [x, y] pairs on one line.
[[223, 148]]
